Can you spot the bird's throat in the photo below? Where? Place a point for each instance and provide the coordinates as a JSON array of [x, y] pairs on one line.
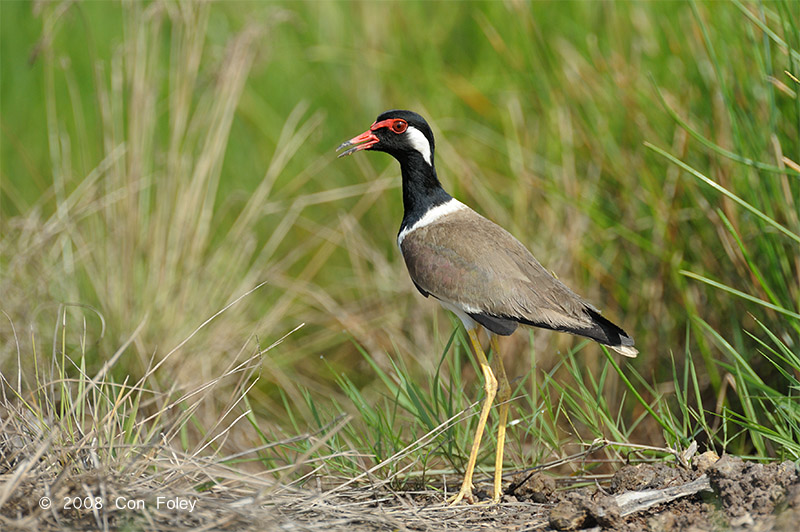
[[421, 191]]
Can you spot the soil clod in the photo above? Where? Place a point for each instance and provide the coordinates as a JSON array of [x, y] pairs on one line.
[[747, 488], [537, 487]]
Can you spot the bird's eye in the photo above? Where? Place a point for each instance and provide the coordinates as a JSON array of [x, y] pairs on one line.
[[399, 126]]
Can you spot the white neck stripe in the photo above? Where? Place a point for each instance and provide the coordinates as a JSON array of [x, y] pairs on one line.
[[433, 214], [420, 143]]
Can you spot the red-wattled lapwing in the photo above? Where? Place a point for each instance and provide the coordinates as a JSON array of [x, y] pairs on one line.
[[476, 269]]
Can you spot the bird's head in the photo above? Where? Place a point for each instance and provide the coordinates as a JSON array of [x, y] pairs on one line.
[[401, 134]]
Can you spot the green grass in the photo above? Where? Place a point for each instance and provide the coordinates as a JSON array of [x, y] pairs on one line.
[[177, 156]]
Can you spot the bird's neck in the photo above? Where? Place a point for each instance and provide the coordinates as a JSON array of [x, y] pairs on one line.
[[421, 190]]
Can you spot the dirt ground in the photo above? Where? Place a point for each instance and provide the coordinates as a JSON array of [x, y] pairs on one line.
[[723, 494], [740, 496]]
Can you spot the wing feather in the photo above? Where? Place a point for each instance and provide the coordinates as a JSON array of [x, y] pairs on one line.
[[465, 259]]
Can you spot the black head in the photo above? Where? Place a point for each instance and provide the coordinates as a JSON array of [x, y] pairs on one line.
[[405, 135]]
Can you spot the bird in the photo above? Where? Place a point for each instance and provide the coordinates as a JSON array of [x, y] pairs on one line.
[[475, 269]]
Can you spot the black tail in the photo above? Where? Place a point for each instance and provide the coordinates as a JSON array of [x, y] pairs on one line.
[[606, 332], [601, 330]]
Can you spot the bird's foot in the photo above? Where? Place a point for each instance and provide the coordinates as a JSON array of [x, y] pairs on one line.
[[464, 494], [468, 497]]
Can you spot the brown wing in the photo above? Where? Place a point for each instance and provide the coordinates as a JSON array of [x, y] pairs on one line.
[[465, 259]]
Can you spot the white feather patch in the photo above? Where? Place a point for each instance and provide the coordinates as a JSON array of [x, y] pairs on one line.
[[431, 216], [461, 312], [420, 143]]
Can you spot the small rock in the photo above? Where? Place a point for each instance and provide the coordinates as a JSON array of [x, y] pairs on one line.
[[702, 462], [604, 511], [538, 488], [727, 466], [568, 515], [583, 511]]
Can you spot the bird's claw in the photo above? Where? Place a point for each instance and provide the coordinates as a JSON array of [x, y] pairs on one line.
[[463, 495], [468, 497]]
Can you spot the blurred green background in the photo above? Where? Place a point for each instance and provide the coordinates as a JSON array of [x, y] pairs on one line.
[[160, 159]]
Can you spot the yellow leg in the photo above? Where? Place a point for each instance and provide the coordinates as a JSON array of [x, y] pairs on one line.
[[503, 395], [490, 385]]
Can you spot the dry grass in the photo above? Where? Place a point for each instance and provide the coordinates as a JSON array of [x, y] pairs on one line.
[[88, 445]]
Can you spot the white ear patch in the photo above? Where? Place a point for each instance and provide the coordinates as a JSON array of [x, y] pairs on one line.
[[420, 143]]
